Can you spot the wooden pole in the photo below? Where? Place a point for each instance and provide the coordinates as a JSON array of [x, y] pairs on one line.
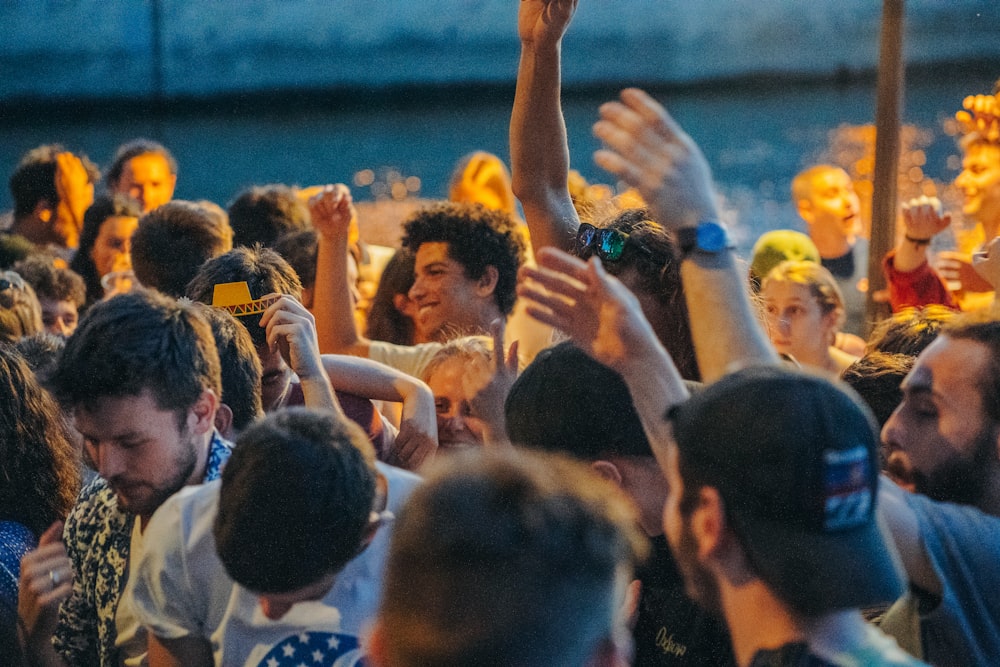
[[888, 110]]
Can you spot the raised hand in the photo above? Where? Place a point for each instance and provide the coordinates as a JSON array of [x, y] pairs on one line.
[[544, 21], [332, 211], [291, 329], [982, 115], [647, 149], [487, 404], [581, 299], [922, 218], [987, 263]]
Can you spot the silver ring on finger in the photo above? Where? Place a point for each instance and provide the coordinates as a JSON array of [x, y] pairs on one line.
[[54, 578]]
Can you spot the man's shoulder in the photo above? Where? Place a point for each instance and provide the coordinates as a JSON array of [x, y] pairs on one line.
[[401, 484], [96, 505]]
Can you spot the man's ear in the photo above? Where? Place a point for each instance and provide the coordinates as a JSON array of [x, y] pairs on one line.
[[708, 522], [43, 210], [224, 421], [487, 283], [608, 471], [201, 416]]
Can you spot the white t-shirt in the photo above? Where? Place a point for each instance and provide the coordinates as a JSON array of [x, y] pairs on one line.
[[180, 588]]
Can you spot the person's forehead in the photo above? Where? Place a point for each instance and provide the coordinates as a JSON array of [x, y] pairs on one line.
[[432, 252], [949, 369], [120, 416], [56, 306], [118, 225], [148, 163], [785, 290]]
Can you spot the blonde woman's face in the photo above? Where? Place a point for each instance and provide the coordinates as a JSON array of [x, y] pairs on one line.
[[795, 321]]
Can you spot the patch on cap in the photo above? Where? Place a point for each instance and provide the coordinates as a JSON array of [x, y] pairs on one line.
[[847, 488]]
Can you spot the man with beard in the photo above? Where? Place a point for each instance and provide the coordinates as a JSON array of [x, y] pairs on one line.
[[142, 376]]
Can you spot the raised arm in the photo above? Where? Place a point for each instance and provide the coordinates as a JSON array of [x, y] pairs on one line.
[[538, 148], [912, 281], [647, 149], [332, 210], [416, 442]]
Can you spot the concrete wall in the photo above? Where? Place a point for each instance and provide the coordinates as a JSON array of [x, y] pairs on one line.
[[103, 48]]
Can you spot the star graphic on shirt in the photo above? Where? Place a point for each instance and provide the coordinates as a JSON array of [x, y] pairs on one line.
[[317, 656], [288, 650], [273, 662], [304, 637], [333, 642]]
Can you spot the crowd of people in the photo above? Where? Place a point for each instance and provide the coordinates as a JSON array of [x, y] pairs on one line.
[[593, 435]]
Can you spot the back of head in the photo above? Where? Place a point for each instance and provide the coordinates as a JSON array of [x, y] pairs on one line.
[[34, 178], [299, 249], [264, 213], [39, 466], [136, 342], [241, 369], [385, 321], [263, 270], [41, 352], [172, 242], [648, 263], [777, 246], [877, 377], [135, 148], [795, 461], [483, 178], [477, 237], [20, 312], [296, 500], [565, 401], [513, 559], [910, 330]]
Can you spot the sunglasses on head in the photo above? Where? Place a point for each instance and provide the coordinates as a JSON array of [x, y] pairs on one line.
[[608, 244], [9, 280]]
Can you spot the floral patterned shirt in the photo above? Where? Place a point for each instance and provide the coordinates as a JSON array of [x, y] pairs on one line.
[[97, 538]]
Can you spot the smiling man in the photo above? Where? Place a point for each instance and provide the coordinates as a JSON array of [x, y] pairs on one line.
[[145, 171]]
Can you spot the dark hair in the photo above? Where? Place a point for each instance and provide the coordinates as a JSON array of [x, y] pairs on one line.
[[506, 559], [300, 249], [477, 237], [980, 327], [565, 401], [876, 377], [241, 369], [263, 270], [650, 251], [20, 312], [910, 330], [385, 321], [50, 281], [41, 352], [104, 207], [172, 242], [135, 148], [39, 466], [295, 501], [135, 342], [34, 178], [263, 213]]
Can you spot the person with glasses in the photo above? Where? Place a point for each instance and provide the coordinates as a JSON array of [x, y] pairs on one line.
[[633, 246]]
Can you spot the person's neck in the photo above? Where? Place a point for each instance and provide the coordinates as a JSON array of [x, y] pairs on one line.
[[757, 620], [35, 230], [990, 225], [831, 245]]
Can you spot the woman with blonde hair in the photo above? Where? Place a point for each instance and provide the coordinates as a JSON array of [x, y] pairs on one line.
[[804, 312]]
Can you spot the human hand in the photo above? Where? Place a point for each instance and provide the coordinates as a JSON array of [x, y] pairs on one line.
[[647, 149], [291, 329], [46, 580], [922, 218], [487, 403], [987, 263], [581, 299], [544, 21], [417, 440], [76, 192], [956, 269], [982, 115], [332, 211]]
